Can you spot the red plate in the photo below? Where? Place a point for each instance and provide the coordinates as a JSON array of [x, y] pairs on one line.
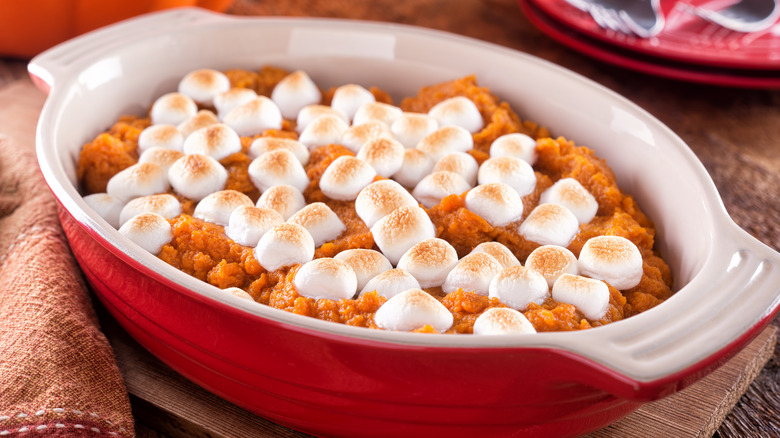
[[685, 37]]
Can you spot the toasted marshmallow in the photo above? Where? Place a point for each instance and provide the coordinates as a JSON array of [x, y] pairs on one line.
[[217, 141], [376, 112], [502, 321], [160, 136], [247, 224], [461, 163], [254, 117], [163, 204], [172, 109], [613, 259], [327, 278], [552, 261], [472, 274], [308, 113], [345, 177], [438, 185], [218, 206], [518, 286], [511, 171], [262, 145], [413, 309], [348, 98], [203, 85], [391, 283], [232, 98], [410, 128], [107, 206], [497, 203], [417, 164], [283, 198], [294, 92], [445, 140], [160, 156], [200, 120], [430, 261], [498, 251], [588, 295], [569, 193], [277, 167], [197, 176], [241, 293], [514, 145], [140, 179], [284, 245], [149, 230], [550, 224], [400, 230], [458, 111], [384, 154], [379, 199], [357, 135], [320, 221], [366, 263], [323, 130]]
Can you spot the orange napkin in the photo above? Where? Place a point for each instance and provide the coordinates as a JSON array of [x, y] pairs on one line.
[[58, 376]]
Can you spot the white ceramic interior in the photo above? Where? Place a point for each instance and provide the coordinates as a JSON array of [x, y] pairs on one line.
[[724, 278]]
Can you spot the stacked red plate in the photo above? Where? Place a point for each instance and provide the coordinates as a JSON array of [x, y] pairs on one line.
[[688, 48]]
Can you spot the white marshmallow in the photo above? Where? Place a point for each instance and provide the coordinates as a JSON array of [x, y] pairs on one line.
[[357, 135], [200, 120], [283, 198], [217, 141], [277, 167], [247, 224], [161, 157], [613, 259], [511, 171], [589, 296], [106, 206], [376, 112], [320, 221], [514, 145], [472, 274], [262, 145], [550, 224], [322, 131], [461, 163], [241, 293], [445, 140], [518, 286], [203, 85], [160, 136], [150, 231], [294, 92], [502, 321], [345, 177], [430, 261], [366, 263], [411, 310], [497, 203], [348, 98], [410, 128], [140, 179], [395, 233], [172, 109], [163, 204], [458, 111], [569, 193], [379, 199], [254, 117], [391, 283], [196, 176], [438, 185], [384, 154], [416, 165], [218, 206], [284, 245], [232, 98], [552, 261], [501, 253], [326, 278], [308, 113]]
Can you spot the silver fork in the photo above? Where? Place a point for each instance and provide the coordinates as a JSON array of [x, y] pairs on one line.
[[642, 18], [742, 16]]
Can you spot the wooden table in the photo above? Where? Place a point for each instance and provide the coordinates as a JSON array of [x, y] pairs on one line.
[[734, 132]]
